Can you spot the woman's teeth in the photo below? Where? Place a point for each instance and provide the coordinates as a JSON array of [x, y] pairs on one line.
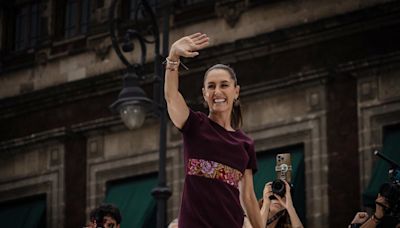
[[220, 100]]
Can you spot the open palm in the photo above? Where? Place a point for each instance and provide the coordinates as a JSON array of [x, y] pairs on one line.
[[189, 45]]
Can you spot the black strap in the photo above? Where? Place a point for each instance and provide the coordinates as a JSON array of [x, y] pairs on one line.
[[275, 217]]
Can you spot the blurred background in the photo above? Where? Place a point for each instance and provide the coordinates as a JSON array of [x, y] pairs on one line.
[[319, 80]]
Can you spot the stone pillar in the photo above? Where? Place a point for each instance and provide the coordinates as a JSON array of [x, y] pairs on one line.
[[342, 147], [75, 180]]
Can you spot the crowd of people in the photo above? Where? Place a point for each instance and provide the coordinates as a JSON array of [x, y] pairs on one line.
[[220, 159], [281, 212]]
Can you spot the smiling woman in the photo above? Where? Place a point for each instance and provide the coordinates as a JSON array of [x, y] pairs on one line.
[[219, 157], [221, 93]]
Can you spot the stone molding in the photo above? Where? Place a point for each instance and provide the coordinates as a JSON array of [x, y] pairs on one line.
[[49, 184], [374, 115], [311, 132], [100, 171], [231, 10], [60, 133]]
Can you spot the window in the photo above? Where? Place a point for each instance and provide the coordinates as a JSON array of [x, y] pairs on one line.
[[24, 213], [23, 25], [134, 8], [134, 200], [391, 148], [76, 17], [190, 2], [23, 28], [72, 18], [193, 11], [266, 172], [27, 26]]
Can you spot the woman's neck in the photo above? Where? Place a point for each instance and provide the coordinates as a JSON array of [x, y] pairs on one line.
[[223, 119]]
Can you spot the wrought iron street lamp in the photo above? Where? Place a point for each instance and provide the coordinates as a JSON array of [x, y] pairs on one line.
[[133, 105]]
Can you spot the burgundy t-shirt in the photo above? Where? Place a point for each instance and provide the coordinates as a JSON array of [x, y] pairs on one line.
[[214, 160]]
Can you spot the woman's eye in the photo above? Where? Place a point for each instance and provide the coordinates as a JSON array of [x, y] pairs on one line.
[[210, 86]]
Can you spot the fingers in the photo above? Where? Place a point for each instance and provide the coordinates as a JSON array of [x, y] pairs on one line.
[[200, 41], [267, 191], [191, 54], [267, 187], [202, 45], [195, 35], [269, 184], [280, 199], [287, 184], [360, 217], [362, 214], [198, 37]]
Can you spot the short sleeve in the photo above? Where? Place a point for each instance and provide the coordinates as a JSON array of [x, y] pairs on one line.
[[193, 122], [252, 164]]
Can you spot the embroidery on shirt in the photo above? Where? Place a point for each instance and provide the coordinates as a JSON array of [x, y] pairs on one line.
[[214, 170]]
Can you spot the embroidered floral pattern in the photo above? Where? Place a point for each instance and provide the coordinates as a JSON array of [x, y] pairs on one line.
[[214, 170]]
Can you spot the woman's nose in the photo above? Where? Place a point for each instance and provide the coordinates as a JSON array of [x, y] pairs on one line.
[[217, 90]]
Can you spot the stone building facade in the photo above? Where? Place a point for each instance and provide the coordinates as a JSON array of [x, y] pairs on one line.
[[321, 74]]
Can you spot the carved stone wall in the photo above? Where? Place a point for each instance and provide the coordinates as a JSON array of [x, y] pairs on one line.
[[35, 170], [122, 154], [288, 116], [379, 106]]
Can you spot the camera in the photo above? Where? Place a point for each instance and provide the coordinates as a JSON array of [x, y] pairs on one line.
[[391, 190], [283, 170]]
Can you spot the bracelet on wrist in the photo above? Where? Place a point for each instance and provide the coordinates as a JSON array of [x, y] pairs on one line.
[[173, 65], [376, 219]]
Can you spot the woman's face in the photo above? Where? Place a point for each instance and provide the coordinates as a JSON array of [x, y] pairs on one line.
[[275, 206], [220, 91]]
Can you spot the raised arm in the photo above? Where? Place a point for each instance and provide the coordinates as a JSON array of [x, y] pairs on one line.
[[249, 200], [267, 192], [184, 47], [288, 204], [379, 213]]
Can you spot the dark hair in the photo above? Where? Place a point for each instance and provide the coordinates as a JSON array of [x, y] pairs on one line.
[[236, 115], [103, 210], [284, 220], [283, 217], [391, 192]]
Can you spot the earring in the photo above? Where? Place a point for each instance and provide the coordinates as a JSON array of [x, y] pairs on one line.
[[236, 102], [205, 105]]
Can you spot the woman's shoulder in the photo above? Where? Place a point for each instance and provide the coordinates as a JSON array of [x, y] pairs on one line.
[[195, 118], [244, 135], [201, 116], [198, 113]]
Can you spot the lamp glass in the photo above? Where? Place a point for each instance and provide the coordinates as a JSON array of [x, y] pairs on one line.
[[133, 115]]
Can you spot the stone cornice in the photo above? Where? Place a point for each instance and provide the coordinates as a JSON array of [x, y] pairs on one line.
[[241, 50], [323, 74], [32, 139], [68, 92], [60, 133], [374, 61]]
